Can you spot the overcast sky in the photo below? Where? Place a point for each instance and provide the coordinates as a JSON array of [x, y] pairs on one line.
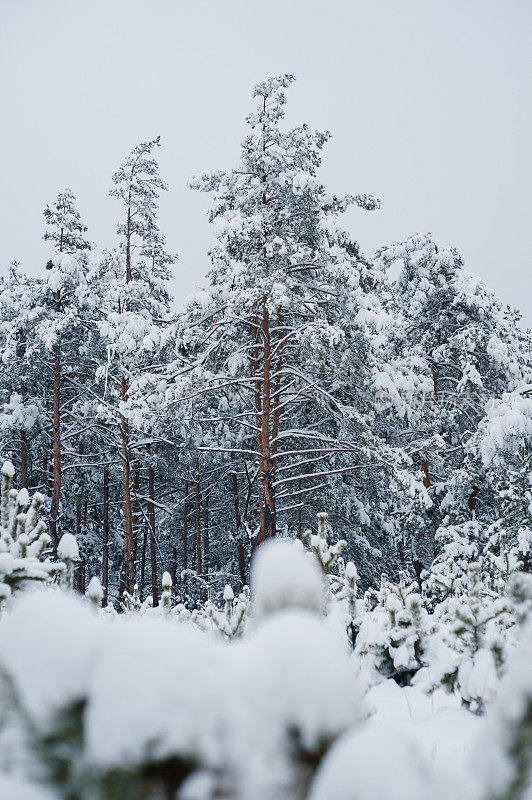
[[428, 102]]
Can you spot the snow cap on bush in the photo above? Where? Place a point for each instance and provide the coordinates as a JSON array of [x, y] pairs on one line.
[[373, 762], [283, 577]]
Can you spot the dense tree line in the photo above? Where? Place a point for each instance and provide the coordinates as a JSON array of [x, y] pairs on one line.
[[392, 391]]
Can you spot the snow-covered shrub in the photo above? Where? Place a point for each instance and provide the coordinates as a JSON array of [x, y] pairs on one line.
[[473, 627], [23, 539], [393, 637], [68, 552], [133, 706], [230, 621], [94, 592], [326, 553], [282, 576], [132, 602], [503, 756]]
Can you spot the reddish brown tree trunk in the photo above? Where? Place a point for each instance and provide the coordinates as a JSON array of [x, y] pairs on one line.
[[56, 444], [56, 428], [266, 465], [206, 535], [153, 549], [185, 529], [136, 511], [472, 502], [129, 563], [197, 523], [143, 559], [105, 548], [426, 474], [238, 524]]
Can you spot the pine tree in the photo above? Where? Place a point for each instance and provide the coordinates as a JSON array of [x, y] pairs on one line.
[[277, 344], [132, 304], [23, 539], [452, 347], [66, 232]]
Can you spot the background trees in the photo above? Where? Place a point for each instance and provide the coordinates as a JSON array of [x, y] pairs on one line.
[[302, 377]]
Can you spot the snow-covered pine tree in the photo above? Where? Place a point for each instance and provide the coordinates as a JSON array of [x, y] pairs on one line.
[[44, 338], [475, 624], [66, 231], [23, 539], [132, 302], [23, 396], [452, 347], [278, 372], [504, 446]]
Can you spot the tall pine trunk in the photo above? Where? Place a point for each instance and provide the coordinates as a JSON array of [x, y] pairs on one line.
[[238, 524], [185, 528], [206, 536], [266, 464], [129, 561], [153, 548], [105, 532], [197, 523], [56, 439]]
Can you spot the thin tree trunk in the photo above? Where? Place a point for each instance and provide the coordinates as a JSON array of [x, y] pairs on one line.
[[206, 535], [197, 523], [174, 567], [238, 524], [426, 474], [136, 511], [56, 428], [153, 549], [23, 460], [299, 513], [105, 548], [45, 470], [129, 563], [78, 537], [143, 560], [266, 472], [185, 528], [56, 443]]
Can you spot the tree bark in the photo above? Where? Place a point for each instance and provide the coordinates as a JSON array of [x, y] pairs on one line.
[[174, 566], [56, 428], [206, 535], [23, 460], [185, 528], [197, 523], [129, 564], [238, 524], [105, 548], [153, 549], [136, 511], [266, 465], [56, 444], [143, 560]]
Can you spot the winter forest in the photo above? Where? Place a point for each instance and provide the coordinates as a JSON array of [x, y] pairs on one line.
[[276, 544]]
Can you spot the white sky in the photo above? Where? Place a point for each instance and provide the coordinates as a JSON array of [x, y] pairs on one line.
[[428, 102]]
